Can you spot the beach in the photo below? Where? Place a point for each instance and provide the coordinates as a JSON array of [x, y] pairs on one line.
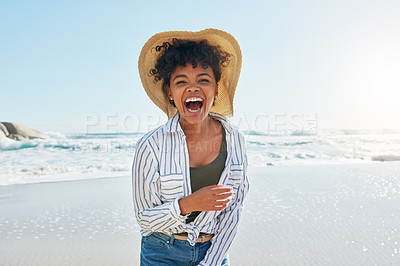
[[343, 214]]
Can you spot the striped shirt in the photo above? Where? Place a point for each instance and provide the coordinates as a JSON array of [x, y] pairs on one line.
[[160, 177]]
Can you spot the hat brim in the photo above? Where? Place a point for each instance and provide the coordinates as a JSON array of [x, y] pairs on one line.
[[229, 74]]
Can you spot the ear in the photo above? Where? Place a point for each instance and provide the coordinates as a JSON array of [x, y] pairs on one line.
[[169, 93]]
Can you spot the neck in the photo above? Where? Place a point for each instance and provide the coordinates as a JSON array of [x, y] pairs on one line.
[[199, 130]]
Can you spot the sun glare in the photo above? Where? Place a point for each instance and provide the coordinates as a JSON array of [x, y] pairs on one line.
[[387, 88], [377, 80]]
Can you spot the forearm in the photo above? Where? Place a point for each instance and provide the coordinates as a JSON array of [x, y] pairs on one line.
[[184, 206], [160, 218]]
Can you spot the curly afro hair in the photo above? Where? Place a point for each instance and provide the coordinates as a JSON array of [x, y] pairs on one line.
[[179, 52]]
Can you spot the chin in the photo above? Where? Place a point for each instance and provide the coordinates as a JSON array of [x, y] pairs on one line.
[[194, 118]]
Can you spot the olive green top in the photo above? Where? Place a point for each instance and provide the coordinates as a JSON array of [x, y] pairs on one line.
[[208, 174]]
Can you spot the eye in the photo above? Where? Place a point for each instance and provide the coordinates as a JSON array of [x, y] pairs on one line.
[[204, 80], [180, 82]]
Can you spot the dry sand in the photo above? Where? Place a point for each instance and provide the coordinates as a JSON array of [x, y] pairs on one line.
[[294, 215]]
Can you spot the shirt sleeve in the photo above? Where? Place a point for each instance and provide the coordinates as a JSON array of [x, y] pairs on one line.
[[227, 225], [151, 213]]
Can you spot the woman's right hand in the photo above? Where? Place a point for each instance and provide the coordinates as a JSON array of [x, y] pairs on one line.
[[210, 198]]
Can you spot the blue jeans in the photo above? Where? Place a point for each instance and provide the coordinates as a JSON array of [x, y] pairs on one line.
[[159, 249]]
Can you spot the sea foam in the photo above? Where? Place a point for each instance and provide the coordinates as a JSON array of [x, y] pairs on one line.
[[67, 156]]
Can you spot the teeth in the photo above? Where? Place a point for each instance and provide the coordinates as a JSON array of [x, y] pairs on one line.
[[193, 99]]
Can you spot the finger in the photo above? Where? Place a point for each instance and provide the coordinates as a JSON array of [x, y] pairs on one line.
[[220, 207], [215, 186], [216, 207], [222, 196], [222, 202], [222, 190]]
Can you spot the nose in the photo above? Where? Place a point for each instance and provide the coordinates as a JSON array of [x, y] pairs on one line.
[[192, 88]]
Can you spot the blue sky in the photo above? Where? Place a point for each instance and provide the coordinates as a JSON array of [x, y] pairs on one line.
[[65, 64]]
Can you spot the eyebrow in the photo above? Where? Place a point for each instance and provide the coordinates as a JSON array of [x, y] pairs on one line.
[[180, 76], [203, 74], [199, 75]]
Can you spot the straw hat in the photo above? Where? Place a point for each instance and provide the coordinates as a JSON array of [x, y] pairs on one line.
[[229, 74]]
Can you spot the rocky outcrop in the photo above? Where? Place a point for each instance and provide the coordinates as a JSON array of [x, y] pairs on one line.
[[384, 158], [3, 131], [20, 132]]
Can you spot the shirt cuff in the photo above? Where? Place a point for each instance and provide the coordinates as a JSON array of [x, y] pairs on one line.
[[176, 211]]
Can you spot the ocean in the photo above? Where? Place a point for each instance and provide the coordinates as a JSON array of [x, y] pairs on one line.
[[65, 157]]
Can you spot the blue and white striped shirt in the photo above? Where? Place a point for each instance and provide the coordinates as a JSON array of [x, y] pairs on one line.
[[160, 177]]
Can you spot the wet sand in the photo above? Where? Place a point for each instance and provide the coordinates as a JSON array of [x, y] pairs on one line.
[[294, 215]]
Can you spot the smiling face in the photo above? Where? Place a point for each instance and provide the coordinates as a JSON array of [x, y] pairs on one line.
[[193, 91]]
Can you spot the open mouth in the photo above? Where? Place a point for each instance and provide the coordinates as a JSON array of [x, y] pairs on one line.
[[194, 104]]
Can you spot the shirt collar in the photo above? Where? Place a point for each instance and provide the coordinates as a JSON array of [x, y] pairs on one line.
[[173, 123]]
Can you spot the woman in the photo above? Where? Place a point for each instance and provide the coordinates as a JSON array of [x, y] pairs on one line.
[[190, 175]]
